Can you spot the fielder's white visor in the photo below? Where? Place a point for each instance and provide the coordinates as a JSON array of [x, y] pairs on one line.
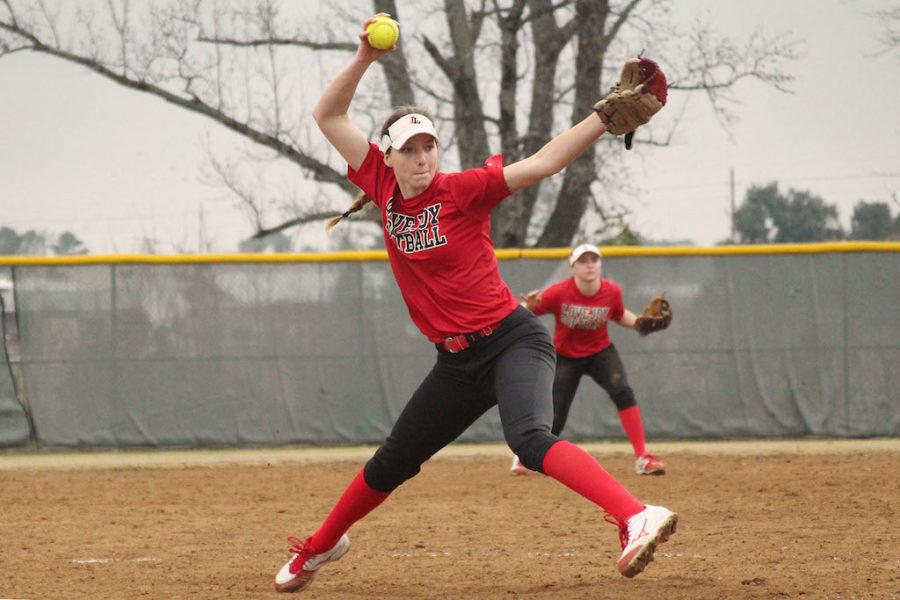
[[404, 128], [581, 250]]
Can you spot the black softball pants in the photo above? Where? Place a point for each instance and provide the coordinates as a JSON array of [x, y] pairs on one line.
[[512, 368], [605, 368]]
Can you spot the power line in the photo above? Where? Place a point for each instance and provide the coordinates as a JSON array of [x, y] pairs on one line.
[[724, 183]]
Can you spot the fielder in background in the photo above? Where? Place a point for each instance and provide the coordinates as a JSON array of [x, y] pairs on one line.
[[582, 306], [490, 350]]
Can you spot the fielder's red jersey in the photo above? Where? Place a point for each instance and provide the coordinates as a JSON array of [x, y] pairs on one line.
[[439, 245], [581, 321]]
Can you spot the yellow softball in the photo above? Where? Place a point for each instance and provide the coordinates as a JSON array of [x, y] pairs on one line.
[[383, 33]]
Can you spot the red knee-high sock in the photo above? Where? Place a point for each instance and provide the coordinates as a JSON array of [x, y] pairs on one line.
[[357, 501], [634, 429], [581, 473]]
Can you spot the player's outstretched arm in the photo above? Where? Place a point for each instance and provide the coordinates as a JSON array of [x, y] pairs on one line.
[[628, 319], [331, 111], [555, 156]]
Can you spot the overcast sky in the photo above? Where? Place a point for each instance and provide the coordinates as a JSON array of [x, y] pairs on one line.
[[111, 165]]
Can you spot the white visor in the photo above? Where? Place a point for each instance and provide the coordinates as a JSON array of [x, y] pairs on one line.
[[404, 128], [581, 250]]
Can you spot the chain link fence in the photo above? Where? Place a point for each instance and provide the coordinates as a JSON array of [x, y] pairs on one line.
[[221, 353]]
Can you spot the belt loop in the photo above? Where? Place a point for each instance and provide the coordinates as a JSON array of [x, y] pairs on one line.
[[456, 343]]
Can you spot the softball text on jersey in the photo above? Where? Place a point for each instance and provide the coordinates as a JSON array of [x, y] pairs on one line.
[[439, 244], [581, 321], [414, 233], [583, 317]]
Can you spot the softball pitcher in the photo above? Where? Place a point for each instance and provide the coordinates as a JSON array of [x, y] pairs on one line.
[[582, 307], [490, 350]]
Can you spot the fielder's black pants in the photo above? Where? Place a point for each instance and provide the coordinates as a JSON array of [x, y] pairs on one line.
[[512, 368], [605, 368]]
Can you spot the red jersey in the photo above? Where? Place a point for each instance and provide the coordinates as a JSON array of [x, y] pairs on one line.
[[439, 245], [581, 320]]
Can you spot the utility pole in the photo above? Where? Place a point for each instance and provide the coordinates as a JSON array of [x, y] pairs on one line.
[[202, 245], [733, 230]]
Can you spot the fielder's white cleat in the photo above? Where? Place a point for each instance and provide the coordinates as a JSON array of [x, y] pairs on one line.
[[517, 468], [298, 573], [640, 536], [649, 465]]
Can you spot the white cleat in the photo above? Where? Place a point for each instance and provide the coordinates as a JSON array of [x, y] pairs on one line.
[[298, 572], [640, 536], [649, 465]]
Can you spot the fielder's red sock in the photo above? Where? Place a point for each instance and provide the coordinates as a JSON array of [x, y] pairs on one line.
[[634, 429], [357, 501], [581, 473]]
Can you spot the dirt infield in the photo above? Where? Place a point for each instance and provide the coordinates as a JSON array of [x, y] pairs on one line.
[[790, 520]]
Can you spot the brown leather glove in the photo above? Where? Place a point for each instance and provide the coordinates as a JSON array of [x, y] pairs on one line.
[[640, 93], [656, 317]]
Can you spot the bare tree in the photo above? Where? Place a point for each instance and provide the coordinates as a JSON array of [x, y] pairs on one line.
[[503, 75], [889, 35]]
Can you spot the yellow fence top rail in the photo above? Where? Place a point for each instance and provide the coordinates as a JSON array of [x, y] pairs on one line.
[[504, 254]]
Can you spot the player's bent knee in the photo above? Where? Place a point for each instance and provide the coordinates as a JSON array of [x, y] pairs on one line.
[[532, 448], [386, 471], [623, 398]]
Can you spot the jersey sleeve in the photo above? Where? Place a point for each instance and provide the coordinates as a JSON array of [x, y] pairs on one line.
[[373, 176], [478, 191], [550, 300], [617, 310]]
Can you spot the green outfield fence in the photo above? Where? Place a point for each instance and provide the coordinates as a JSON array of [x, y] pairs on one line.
[[221, 350]]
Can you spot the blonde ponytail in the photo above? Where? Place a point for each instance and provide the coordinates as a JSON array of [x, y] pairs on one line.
[[358, 204]]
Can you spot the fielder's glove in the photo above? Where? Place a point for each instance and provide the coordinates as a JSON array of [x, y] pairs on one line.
[[640, 93], [656, 317]]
